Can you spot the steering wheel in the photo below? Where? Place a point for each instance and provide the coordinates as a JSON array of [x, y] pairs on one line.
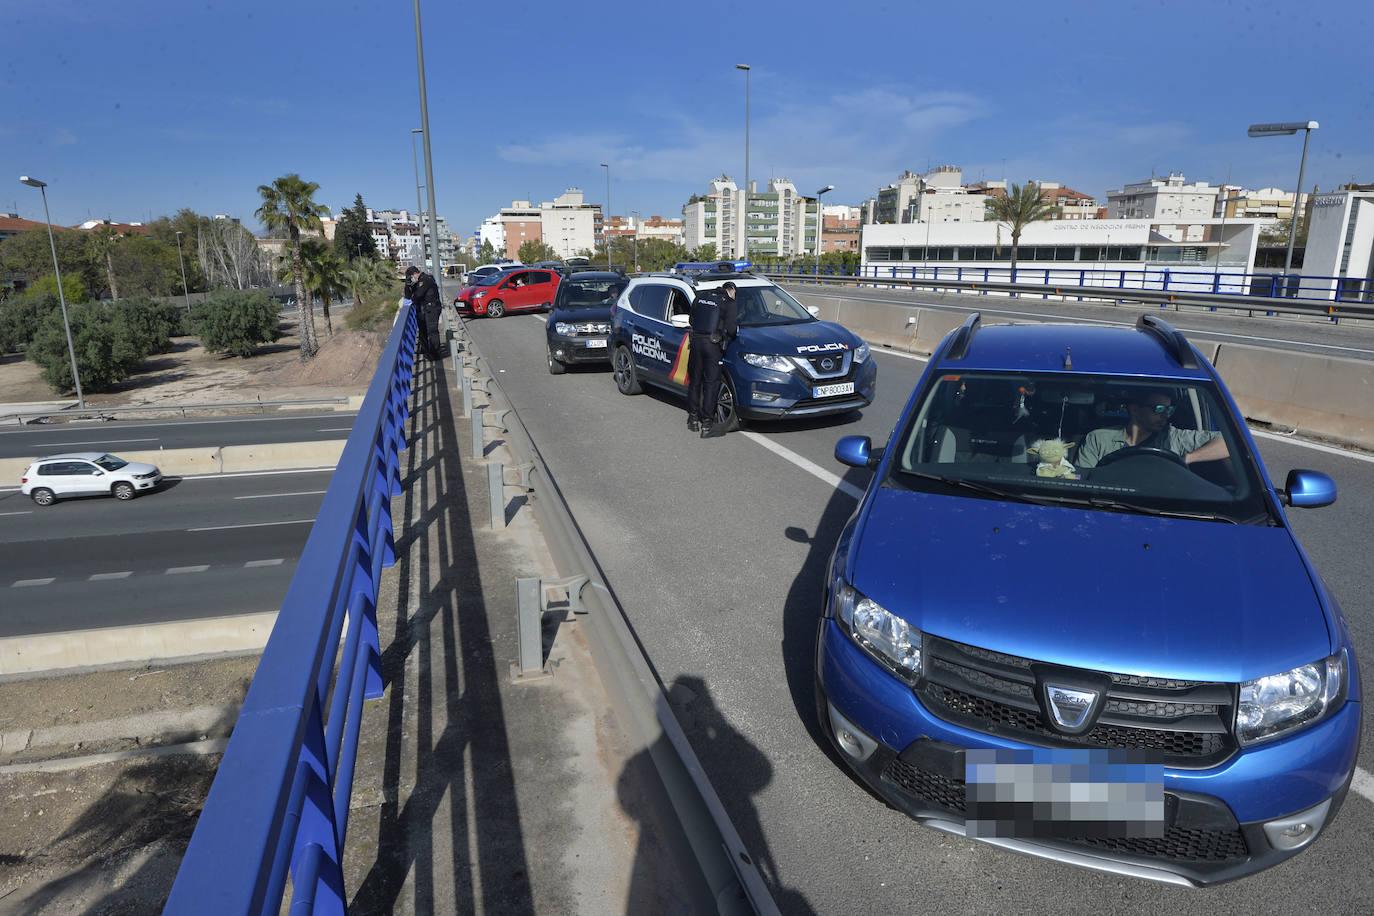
[[1132, 451]]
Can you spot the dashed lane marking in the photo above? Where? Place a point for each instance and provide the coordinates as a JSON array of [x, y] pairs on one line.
[[102, 577], [297, 521], [25, 512], [254, 564], [25, 583], [179, 570], [806, 465], [276, 495]]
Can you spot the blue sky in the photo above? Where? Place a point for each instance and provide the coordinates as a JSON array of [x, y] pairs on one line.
[[133, 110]]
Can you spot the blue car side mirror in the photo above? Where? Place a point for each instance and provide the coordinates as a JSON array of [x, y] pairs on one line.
[[1308, 489], [857, 452]]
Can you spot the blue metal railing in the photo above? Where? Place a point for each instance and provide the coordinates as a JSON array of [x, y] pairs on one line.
[[1184, 280], [280, 797]]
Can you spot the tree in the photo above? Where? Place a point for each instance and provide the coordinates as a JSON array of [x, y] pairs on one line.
[[1021, 206], [230, 256], [29, 255], [289, 203], [705, 252], [21, 316], [323, 274], [236, 321], [352, 237], [107, 347], [487, 253], [375, 291], [145, 266], [534, 251], [101, 243]]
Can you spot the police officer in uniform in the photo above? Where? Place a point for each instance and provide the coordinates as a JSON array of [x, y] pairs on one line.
[[423, 292], [714, 321]]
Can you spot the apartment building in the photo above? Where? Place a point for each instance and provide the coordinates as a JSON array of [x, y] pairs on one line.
[[779, 222], [1163, 198], [937, 196], [1068, 203], [1236, 202], [567, 224]]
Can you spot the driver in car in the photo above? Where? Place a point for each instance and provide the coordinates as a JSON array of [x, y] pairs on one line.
[[1147, 426]]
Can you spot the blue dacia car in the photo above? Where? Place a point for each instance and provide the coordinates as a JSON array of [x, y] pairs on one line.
[[784, 363], [1070, 618]]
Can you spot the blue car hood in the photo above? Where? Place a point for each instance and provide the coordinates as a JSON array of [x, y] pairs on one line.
[[1093, 589], [784, 339]]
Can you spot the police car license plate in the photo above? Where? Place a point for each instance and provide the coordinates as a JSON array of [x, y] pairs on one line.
[[1064, 792], [827, 391], [596, 343]]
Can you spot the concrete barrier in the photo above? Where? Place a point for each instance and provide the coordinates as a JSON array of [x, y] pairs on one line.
[[226, 459], [122, 645], [1324, 396]]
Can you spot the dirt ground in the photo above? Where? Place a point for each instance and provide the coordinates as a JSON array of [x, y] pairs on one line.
[[79, 832], [187, 374]]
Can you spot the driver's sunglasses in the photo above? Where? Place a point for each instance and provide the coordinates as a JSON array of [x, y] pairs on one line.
[[1165, 409]]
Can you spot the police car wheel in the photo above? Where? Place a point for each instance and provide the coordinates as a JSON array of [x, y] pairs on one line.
[[496, 308], [623, 368], [555, 367], [727, 417]]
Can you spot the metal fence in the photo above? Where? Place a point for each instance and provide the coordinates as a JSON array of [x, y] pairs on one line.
[[1183, 281], [279, 801]]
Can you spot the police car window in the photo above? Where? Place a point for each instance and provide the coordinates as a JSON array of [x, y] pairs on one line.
[[765, 305], [650, 300], [678, 304]]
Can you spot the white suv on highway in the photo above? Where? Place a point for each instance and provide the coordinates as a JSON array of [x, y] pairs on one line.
[[86, 474]]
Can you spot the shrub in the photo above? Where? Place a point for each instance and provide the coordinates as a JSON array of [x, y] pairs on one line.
[[148, 322], [236, 321], [105, 350], [21, 316]]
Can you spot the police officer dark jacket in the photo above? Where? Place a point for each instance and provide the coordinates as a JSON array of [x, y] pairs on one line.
[[715, 313]]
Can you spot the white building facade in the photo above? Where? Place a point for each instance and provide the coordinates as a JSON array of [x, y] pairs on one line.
[[1162, 199], [780, 222], [1340, 246]]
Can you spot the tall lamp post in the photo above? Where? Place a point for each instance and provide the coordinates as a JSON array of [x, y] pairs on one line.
[[419, 207], [437, 266], [744, 239], [606, 218], [635, 214], [61, 297], [820, 226], [185, 291], [1285, 129]]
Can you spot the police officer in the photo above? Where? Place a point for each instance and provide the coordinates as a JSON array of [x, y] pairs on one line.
[[423, 293], [714, 321]]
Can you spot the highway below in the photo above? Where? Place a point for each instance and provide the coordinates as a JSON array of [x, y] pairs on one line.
[[716, 550], [207, 546], [141, 435]]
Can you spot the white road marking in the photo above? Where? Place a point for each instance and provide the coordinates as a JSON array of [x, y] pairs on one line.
[[275, 495], [25, 512], [298, 521], [806, 465], [94, 442], [178, 570], [101, 577], [879, 348], [336, 429], [325, 470], [25, 583], [254, 564], [1329, 449], [180, 423], [1363, 783]]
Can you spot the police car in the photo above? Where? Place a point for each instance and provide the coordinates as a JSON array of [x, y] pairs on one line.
[[785, 362]]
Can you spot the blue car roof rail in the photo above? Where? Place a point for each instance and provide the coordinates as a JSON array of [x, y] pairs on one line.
[[959, 343], [1172, 340]]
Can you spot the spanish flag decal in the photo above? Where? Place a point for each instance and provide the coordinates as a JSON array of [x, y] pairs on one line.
[[679, 373]]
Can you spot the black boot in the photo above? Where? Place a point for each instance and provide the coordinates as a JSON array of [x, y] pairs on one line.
[[705, 429], [692, 425]]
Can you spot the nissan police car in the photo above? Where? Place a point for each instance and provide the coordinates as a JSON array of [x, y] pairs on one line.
[[785, 362]]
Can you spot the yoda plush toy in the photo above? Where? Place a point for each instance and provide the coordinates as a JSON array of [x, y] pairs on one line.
[[1053, 454]]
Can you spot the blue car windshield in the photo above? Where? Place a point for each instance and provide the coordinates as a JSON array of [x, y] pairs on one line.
[[1115, 443], [762, 306]]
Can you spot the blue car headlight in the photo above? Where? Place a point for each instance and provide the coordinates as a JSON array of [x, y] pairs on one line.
[[861, 353], [888, 638], [768, 361], [1280, 703]]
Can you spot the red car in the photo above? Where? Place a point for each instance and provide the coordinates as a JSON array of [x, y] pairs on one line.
[[520, 290]]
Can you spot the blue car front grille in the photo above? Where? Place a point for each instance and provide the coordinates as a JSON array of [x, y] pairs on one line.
[[1187, 721]]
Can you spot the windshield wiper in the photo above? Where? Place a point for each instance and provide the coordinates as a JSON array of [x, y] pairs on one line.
[[1098, 502], [981, 488]]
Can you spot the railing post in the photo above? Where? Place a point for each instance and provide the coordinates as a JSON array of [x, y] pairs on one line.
[[478, 444], [496, 494], [317, 827]]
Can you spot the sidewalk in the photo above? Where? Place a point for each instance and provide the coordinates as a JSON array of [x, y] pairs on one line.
[[476, 794]]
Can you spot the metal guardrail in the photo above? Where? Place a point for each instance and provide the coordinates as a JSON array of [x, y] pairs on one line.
[[280, 797], [101, 413], [975, 280]]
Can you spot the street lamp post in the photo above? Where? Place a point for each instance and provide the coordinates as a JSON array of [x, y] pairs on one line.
[[635, 214], [185, 291], [820, 226], [61, 297], [606, 218], [437, 266], [744, 239], [1285, 129], [419, 207]]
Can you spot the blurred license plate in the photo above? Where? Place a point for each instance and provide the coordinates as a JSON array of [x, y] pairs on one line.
[[826, 391], [1062, 792], [598, 342]]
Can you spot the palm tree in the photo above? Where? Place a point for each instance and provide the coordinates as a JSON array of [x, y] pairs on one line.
[[323, 274], [1021, 206], [365, 274], [288, 203]]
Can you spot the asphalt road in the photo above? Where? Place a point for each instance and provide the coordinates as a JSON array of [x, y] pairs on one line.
[[197, 547], [716, 549], [1310, 334], [141, 435]]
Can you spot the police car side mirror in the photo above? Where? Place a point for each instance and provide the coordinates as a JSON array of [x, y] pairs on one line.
[[681, 321]]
